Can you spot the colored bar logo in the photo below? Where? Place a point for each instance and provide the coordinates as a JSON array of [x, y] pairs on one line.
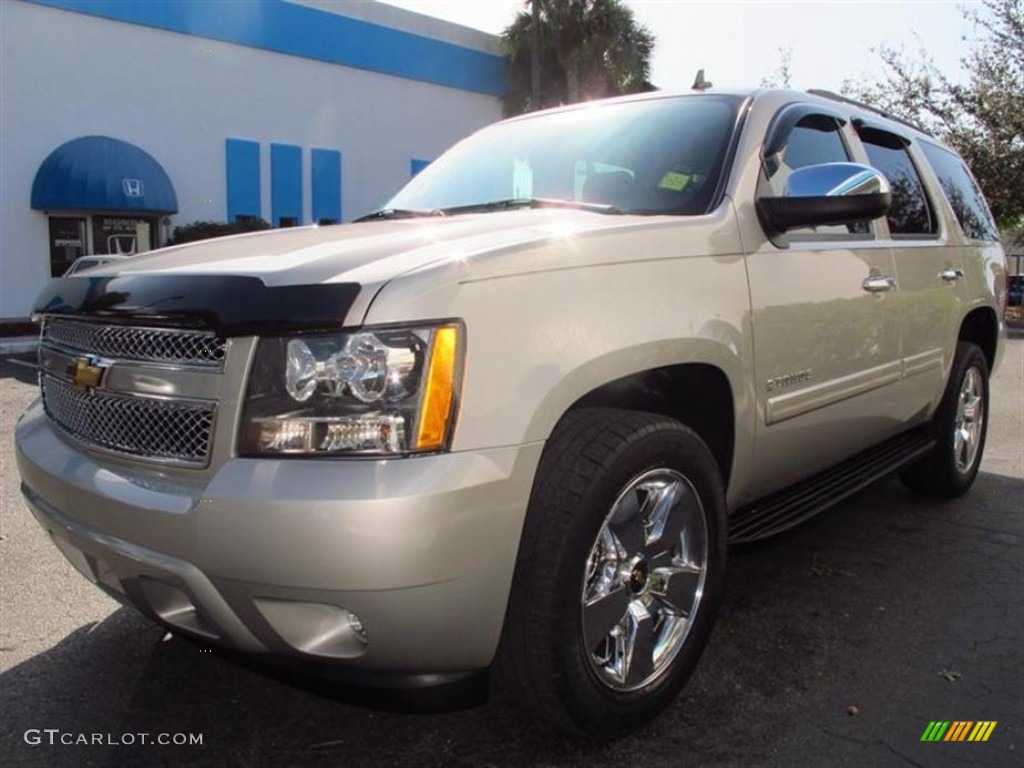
[[958, 730]]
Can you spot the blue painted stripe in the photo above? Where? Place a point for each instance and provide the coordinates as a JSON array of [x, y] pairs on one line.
[[285, 183], [326, 166], [415, 166], [243, 175], [282, 27]]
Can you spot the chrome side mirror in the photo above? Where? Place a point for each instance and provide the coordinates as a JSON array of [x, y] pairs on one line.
[[827, 194]]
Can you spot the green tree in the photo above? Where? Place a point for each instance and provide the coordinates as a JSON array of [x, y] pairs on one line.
[[983, 118], [589, 49], [204, 230], [782, 77]]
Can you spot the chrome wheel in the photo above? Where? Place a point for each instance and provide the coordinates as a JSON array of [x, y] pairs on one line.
[[970, 417], [644, 580]]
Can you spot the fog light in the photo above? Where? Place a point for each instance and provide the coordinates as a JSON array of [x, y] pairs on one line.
[[357, 627], [318, 629]]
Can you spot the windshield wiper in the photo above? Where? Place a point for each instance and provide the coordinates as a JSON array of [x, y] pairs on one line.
[[399, 213], [493, 205], [530, 202]]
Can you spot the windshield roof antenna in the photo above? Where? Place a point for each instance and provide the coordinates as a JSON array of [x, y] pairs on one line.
[[699, 83]]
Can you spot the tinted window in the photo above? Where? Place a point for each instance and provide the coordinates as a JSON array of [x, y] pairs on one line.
[[813, 141], [962, 192], [910, 213], [653, 156]]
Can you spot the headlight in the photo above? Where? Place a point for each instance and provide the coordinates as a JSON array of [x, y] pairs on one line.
[[374, 391]]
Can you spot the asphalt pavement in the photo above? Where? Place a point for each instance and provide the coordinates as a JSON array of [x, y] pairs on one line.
[[838, 644]]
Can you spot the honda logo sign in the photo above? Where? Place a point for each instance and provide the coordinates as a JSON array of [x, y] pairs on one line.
[[132, 187]]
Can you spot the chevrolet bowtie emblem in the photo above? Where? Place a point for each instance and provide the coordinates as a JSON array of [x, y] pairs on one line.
[[84, 374]]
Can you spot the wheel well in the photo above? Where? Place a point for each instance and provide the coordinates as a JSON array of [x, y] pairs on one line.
[[981, 327], [698, 395]]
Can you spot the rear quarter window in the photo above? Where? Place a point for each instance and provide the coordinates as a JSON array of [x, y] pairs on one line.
[[963, 193]]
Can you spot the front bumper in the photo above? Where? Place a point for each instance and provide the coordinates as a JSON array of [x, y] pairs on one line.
[[278, 556]]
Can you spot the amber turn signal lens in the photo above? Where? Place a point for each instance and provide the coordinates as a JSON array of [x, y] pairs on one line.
[[439, 393]]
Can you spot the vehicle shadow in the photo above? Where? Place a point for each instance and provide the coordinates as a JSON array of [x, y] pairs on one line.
[[20, 368], [817, 627], [121, 677]]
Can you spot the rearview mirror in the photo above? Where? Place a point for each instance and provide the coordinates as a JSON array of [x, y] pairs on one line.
[[827, 194]]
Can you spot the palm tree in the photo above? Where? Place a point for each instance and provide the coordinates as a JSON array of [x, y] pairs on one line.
[[589, 49]]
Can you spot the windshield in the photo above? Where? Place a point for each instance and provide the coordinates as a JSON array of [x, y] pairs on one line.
[[86, 262], [657, 156]]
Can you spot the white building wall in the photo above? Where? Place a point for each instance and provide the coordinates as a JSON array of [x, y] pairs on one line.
[[65, 75]]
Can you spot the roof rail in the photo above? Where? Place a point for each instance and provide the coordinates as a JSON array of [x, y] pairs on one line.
[[881, 112]]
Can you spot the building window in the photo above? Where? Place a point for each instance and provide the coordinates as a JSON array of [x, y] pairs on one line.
[[243, 176], [285, 184], [415, 166], [326, 172]]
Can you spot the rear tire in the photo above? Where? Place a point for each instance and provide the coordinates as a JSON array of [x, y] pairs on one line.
[[620, 572], [960, 425]]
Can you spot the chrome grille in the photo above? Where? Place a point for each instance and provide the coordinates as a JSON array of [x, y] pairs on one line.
[[157, 345], [143, 427]]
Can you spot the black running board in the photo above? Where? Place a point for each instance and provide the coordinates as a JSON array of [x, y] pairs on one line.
[[784, 510]]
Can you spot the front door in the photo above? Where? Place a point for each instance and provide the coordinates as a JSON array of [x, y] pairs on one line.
[[825, 327]]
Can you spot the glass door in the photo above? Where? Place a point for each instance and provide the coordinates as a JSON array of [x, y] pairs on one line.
[[67, 242], [122, 234]]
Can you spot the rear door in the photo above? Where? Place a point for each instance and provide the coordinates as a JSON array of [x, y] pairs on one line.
[[929, 270]]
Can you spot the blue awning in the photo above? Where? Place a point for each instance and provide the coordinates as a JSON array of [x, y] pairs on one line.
[[98, 173]]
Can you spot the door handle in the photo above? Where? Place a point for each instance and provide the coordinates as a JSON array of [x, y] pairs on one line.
[[951, 275], [878, 284]]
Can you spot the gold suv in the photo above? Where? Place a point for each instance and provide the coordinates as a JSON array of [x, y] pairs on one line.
[[512, 419]]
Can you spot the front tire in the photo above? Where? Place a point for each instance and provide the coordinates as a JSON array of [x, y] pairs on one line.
[[959, 426], [620, 572]]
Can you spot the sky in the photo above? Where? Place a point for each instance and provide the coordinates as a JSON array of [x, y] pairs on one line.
[[739, 43]]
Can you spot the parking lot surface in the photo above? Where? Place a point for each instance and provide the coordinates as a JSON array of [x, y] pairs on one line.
[[838, 644]]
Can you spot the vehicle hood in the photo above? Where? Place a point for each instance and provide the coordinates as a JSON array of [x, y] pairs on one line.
[[369, 252]]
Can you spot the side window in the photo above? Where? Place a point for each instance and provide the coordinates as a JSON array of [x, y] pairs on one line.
[[814, 140], [962, 192], [910, 214]]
